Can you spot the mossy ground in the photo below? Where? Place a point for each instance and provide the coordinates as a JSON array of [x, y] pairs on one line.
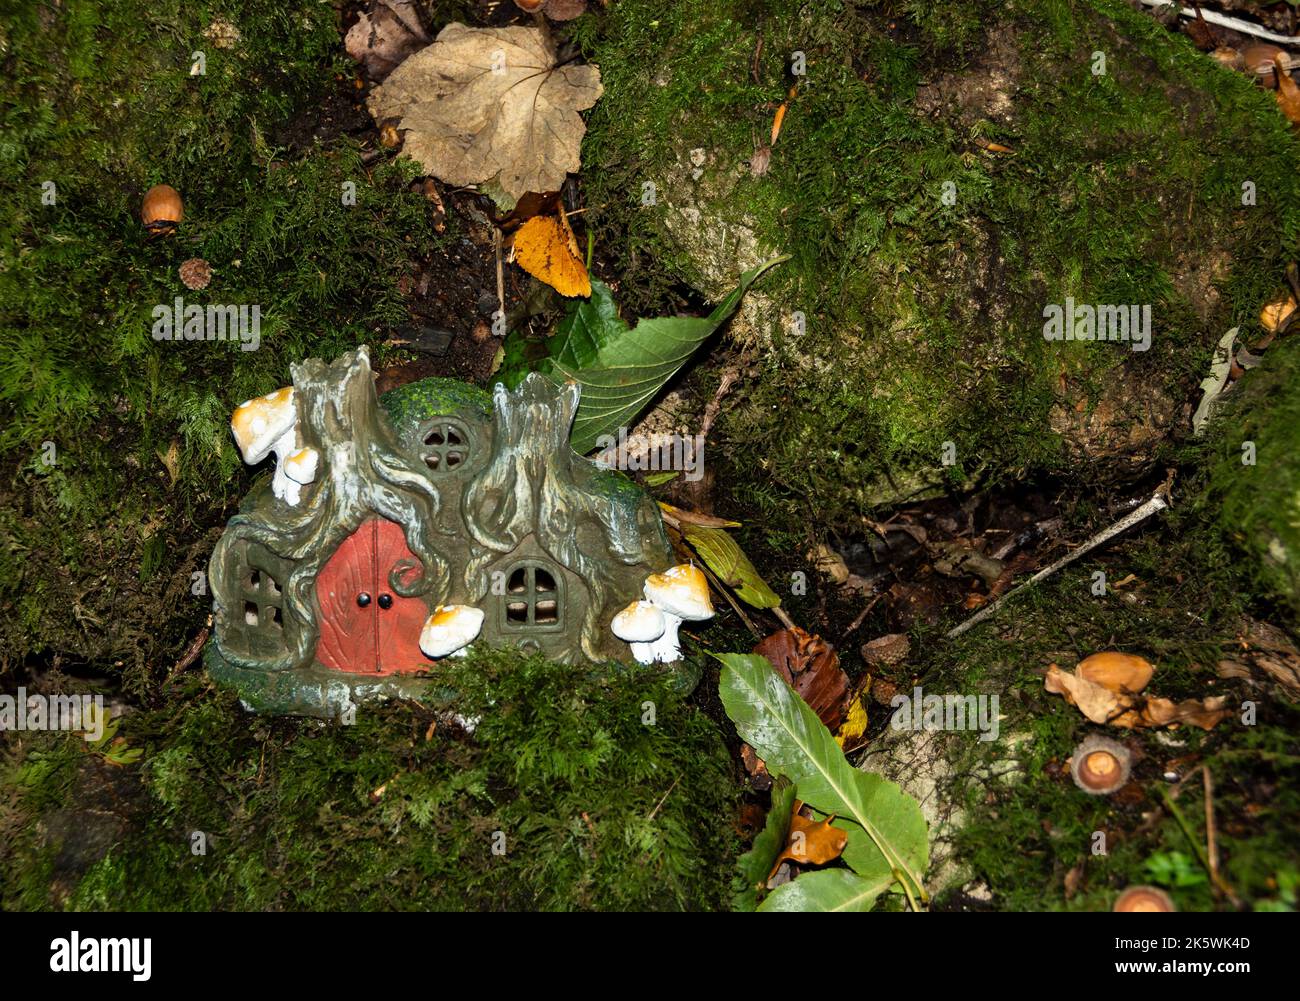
[[608, 790], [924, 319], [98, 99], [1114, 187]]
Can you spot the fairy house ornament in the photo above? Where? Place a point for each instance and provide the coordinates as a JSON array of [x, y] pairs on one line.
[[397, 531]]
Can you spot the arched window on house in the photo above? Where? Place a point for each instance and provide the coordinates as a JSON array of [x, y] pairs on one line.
[[534, 598]]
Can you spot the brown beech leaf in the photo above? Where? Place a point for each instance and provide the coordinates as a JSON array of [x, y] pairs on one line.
[[491, 106], [811, 667], [810, 842], [1288, 92]]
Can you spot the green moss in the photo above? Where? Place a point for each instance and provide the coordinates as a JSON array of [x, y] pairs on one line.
[[924, 319], [597, 808], [1023, 836], [98, 99], [410, 405], [1255, 475]]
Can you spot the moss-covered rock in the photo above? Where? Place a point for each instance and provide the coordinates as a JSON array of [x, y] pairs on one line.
[[923, 259], [1254, 478], [577, 789]]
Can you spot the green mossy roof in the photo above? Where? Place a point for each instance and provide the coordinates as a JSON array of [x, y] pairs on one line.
[[411, 405]]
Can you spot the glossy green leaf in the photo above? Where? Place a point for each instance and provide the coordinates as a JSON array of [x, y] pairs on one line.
[[790, 738], [622, 368], [827, 890], [756, 864], [728, 561]]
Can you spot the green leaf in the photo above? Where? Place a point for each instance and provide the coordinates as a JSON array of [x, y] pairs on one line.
[[621, 369], [827, 890], [789, 737], [659, 479], [726, 559], [756, 864]]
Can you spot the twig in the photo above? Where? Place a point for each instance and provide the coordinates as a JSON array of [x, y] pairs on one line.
[[1211, 843], [663, 799], [861, 616], [1224, 21], [729, 378], [1156, 503], [1215, 878], [501, 281], [191, 653], [718, 586]]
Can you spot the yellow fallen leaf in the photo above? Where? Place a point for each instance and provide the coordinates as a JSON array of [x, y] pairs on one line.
[[546, 248]]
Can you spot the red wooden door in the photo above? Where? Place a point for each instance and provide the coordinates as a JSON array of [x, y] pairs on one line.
[[364, 627]]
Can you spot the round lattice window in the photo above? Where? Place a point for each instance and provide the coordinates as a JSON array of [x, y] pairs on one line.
[[446, 446]]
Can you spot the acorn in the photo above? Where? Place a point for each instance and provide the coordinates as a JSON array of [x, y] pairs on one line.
[[196, 273], [1143, 899], [1100, 766], [162, 210]]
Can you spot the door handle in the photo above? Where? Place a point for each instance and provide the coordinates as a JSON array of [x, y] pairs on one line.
[[385, 601]]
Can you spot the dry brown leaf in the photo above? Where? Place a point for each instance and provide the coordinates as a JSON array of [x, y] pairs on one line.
[[682, 516], [1127, 711], [810, 842], [1204, 713], [384, 37], [490, 106], [1095, 701], [811, 667], [1288, 93]]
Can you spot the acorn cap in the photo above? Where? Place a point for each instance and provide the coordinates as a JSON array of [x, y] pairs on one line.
[[449, 628], [258, 424], [1100, 766], [301, 465], [682, 591], [1145, 899], [640, 622]]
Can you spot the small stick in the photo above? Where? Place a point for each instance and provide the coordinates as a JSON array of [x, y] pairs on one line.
[[501, 281], [1156, 503], [664, 798], [1211, 842], [191, 652], [732, 602], [1224, 21], [1215, 878], [862, 615]]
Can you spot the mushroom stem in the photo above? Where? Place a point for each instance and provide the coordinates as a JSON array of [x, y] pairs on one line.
[[281, 485], [666, 648], [643, 652]]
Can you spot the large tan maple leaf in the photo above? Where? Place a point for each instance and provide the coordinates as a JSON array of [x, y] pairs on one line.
[[490, 106]]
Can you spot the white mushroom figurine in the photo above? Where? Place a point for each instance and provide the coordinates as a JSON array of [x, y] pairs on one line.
[[639, 624], [449, 630], [270, 424], [680, 593]]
